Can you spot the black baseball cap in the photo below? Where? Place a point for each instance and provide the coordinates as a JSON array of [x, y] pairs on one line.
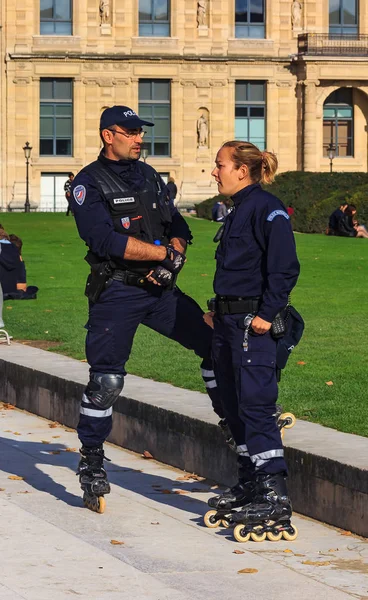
[[123, 116]]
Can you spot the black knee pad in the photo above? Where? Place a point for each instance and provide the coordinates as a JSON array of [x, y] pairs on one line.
[[103, 389]]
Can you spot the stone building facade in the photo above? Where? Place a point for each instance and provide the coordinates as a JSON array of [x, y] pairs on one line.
[[290, 76]]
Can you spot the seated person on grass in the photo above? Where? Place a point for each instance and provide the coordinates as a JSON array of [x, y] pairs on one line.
[[333, 221], [348, 225], [14, 281]]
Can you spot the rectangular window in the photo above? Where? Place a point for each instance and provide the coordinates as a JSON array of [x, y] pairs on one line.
[[249, 19], [154, 106], [56, 117], [250, 112], [343, 17], [56, 17], [154, 18]]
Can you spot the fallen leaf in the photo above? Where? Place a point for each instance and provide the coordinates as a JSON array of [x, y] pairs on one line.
[[333, 550], [68, 429], [116, 543], [47, 310], [147, 454], [53, 425], [299, 554], [314, 563], [52, 277], [25, 492], [46, 331], [180, 492], [214, 487], [329, 382], [8, 406], [15, 477], [165, 491], [204, 274], [287, 551], [55, 452], [9, 308], [248, 571], [2, 489], [301, 362], [45, 441], [189, 476], [83, 360], [345, 532], [55, 436], [155, 523], [238, 552], [8, 431], [70, 449], [17, 433]]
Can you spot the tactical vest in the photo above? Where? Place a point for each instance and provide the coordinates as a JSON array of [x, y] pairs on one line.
[[144, 215]]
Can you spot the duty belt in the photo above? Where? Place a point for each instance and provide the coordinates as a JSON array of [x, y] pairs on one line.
[[232, 305], [130, 278]]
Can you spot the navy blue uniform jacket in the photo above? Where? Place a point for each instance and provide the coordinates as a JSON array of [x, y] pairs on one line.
[[93, 217], [257, 255]]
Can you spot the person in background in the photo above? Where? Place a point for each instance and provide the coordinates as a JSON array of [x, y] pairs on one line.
[[14, 281], [171, 189], [67, 185], [290, 210], [333, 222], [348, 226]]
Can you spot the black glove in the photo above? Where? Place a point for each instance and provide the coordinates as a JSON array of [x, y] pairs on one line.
[[174, 260], [162, 276]]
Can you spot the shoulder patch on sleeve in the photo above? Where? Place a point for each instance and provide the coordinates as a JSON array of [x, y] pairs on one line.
[[79, 194], [276, 213]]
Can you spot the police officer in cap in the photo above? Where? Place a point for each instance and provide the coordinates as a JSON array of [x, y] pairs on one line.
[[257, 267], [136, 242]]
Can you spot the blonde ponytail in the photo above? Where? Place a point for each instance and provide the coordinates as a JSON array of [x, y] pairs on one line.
[[262, 166]]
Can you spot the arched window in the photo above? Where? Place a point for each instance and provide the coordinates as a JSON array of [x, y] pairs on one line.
[[338, 122]]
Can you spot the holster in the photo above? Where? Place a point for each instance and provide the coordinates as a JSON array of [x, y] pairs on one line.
[[98, 279]]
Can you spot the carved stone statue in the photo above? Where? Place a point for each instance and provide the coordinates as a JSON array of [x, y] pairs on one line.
[[202, 131], [104, 9], [201, 12], [296, 14]]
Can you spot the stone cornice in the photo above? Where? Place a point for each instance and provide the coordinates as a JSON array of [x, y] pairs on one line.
[[159, 58]]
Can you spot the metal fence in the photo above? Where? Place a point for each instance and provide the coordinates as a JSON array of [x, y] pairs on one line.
[[321, 44]]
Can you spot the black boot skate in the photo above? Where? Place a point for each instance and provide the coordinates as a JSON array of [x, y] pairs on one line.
[[93, 478], [268, 515], [240, 494]]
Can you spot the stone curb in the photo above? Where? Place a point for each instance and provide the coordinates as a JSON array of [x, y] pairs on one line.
[[328, 477]]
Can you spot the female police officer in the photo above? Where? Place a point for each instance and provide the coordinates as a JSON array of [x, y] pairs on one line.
[[256, 270]]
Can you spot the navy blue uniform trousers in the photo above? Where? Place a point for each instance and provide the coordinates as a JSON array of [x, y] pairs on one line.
[[112, 324], [248, 387]]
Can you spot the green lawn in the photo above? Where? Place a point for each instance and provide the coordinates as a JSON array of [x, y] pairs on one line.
[[331, 295]]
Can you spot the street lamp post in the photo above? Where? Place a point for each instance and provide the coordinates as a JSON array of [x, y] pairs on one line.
[[27, 153], [331, 154], [144, 153]]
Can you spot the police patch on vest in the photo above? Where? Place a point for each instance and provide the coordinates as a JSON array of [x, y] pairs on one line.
[[276, 213], [124, 200], [125, 221], [79, 194]]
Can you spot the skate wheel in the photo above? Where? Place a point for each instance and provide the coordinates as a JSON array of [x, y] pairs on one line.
[[290, 418], [274, 537], [290, 536], [210, 519], [240, 534], [258, 537], [101, 505], [225, 523]]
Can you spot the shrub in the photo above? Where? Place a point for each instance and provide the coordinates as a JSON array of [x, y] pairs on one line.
[[314, 197]]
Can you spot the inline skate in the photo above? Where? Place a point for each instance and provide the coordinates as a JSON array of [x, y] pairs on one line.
[[225, 504], [269, 513], [93, 478]]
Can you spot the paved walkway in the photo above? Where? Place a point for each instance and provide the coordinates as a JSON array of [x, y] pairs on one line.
[[54, 549]]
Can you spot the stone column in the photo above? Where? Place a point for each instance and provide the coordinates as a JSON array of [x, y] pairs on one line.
[[272, 117], [310, 150]]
